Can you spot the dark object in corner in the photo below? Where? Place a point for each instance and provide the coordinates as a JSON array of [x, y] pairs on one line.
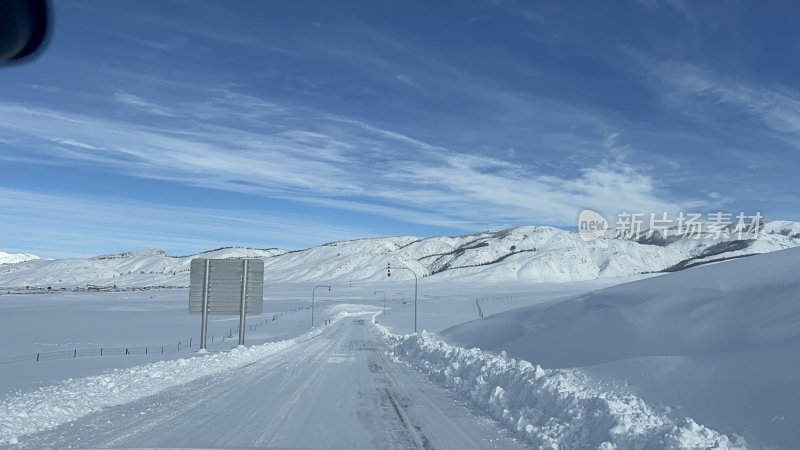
[[24, 28]]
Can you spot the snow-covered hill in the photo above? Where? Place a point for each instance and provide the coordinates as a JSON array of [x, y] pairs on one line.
[[13, 258], [533, 254]]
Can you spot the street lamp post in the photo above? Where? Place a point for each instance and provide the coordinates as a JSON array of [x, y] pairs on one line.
[[313, 295], [416, 283], [384, 300]]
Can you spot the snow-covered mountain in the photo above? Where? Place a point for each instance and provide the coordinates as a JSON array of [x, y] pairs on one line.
[[13, 258], [533, 253]]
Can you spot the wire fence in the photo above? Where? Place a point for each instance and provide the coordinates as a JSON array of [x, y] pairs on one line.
[[181, 346], [252, 326], [101, 351]]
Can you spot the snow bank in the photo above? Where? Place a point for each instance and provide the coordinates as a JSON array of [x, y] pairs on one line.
[[551, 408], [30, 412]]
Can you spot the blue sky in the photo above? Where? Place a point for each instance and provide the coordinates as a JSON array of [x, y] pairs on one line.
[[189, 125]]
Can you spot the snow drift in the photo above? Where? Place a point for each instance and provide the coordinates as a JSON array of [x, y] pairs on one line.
[[719, 341]]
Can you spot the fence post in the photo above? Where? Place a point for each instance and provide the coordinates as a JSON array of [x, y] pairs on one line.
[[162, 349], [145, 350], [126, 351], [101, 351], [37, 357], [478, 304], [75, 353]]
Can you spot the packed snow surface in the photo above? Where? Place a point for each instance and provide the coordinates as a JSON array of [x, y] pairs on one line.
[[265, 397], [50, 406]]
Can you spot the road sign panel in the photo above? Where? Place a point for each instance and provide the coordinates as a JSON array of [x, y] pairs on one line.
[[224, 289]]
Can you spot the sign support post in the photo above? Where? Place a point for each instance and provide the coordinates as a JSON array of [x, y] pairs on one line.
[[204, 320], [243, 307]]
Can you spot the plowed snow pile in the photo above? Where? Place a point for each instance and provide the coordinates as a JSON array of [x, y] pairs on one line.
[[552, 408]]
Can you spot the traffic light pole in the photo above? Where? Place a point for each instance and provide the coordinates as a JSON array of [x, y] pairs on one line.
[[416, 283], [313, 295]]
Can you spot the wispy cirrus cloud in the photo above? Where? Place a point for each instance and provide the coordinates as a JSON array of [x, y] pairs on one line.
[[317, 158], [691, 89], [135, 101], [406, 79], [87, 226], [506, 123], [745, 132]]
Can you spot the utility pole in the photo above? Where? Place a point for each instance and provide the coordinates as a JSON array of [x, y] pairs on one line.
[[384, 300]]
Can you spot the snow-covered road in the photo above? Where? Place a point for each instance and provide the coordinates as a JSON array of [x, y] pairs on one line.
[[338, 389]]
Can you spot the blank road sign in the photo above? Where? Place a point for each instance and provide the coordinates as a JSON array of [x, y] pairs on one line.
[[225, 286]]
